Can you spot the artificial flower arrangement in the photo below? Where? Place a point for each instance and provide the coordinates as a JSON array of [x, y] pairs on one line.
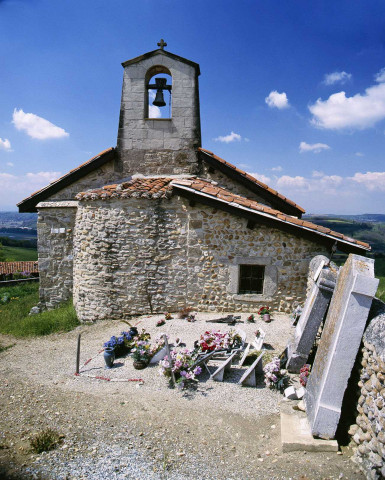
[[168, 316], [251, 318], [183, 367], [263, 311], [275, 377], [123, 344], [304, 374], [161, 322], [215, 340]]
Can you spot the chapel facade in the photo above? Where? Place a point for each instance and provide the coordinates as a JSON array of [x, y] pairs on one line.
[[158, 223]]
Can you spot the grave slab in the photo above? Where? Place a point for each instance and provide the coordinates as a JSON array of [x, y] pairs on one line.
[[249, 377], [339, 344], [296, 435], [313, 313], [219, 373], [258, 342], [244, 356]]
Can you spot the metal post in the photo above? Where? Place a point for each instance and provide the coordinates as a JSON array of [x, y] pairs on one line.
[[78, 355]]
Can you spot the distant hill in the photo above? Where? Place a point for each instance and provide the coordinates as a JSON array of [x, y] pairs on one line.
[[370, 231], [365, 217], [18, 220]]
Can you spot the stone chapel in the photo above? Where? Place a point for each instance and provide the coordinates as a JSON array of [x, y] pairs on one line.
[[158, 223]]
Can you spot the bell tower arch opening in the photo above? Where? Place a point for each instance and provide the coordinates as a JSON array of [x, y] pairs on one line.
[[158, 102]]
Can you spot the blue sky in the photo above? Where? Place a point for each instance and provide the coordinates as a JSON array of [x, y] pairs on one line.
[[271, 89]]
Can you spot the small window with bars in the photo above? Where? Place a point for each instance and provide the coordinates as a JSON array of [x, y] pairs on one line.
[[251, 279]]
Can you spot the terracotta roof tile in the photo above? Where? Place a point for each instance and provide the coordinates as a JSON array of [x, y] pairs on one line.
[[137, 187], [251, 178], [13, 267], [201, 186]]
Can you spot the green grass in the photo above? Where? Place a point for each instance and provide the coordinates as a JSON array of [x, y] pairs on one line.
[[381, 289], [14, 318], [18, 254]]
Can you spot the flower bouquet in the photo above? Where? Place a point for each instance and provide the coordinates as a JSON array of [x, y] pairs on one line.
[[264, 313], [183, 367], [141, 353], [123, 344], [275, 377], [304, 374], [216, 340], [168, 316], [161, 322], [251, 319]]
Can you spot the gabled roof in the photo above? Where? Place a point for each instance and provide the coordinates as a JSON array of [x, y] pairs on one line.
[[278, 200], [159, 51], [29, 203], [209, 193]]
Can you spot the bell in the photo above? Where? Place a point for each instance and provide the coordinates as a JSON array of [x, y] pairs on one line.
[[159, 99]]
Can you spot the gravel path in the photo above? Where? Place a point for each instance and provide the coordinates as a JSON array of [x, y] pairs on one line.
[[128, 430]]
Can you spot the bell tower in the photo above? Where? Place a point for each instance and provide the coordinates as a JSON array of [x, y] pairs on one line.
[[151, 142]]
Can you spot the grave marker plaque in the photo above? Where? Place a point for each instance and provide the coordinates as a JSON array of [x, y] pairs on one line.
[[311, 318], [339, 344]]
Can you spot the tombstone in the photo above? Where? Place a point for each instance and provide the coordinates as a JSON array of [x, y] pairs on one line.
[[339, 344], [249, 377], [258, 342], [224, 367], [244, 356], [313, 313]]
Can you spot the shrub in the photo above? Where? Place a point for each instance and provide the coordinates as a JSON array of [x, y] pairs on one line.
[[45, 440]]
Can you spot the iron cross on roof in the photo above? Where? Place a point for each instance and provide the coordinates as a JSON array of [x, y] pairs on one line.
[[162, 44]]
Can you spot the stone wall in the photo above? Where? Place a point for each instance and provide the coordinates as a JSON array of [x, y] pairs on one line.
[[103, 175], [136, 256], [55, 228], [369, 431]]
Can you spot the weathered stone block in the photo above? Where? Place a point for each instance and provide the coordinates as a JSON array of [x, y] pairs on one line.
[[339, 344]]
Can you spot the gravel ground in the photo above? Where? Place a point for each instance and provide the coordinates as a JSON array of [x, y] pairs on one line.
[[132, 430]]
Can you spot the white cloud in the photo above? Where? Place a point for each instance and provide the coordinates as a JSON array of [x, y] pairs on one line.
[[293, 182], [262, 178], [357, 112], [359, 154], [380, 76], [13, 188], [315, 147], [317, 174], [229, 138], [336, 77], [277, 169], [9, 164], [371, 180], [37, 127], [5, 144], [277, 100]]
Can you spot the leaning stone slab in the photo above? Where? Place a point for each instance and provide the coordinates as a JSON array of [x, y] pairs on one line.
[[249, 377], [244, 356], [339, 344], [313, 313], [224, 367]]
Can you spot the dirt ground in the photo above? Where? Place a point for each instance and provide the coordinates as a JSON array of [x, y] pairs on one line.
[[219, 431]]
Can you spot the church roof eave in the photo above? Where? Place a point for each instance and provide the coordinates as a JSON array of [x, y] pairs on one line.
[[29, 203], [278, 200]]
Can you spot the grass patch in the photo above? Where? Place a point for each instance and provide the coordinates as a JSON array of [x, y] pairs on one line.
[[19, 254], [381, 289], [45, 440], [15, 319]]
